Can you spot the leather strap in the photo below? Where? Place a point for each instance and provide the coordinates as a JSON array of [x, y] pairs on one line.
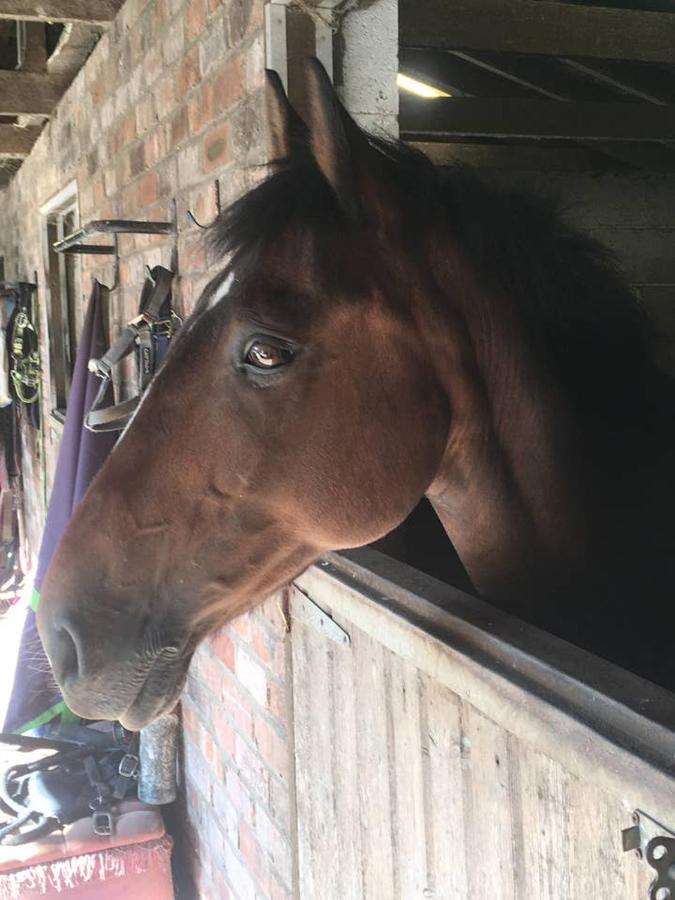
[[141, 333]]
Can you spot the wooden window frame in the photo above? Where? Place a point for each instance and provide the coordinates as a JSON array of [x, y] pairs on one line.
[[60, 215]]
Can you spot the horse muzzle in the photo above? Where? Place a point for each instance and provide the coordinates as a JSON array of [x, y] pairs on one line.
[[119, 679]]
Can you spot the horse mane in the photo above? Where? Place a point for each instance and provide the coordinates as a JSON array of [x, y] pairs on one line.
[[584, 323]]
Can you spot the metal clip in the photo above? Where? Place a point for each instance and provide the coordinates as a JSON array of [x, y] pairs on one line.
[[103, 823], [143, 320], [128, 767], [99, 367]]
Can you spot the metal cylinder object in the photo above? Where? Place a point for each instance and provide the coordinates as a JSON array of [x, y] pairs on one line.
[[157, 754]]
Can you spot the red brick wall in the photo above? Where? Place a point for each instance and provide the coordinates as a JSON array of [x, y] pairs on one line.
[[237, 762], [169, 101]]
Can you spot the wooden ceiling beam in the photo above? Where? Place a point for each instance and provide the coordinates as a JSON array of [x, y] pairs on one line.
[[90, 12], [538, 26], [28, 93], [16, 142], [445, 119]]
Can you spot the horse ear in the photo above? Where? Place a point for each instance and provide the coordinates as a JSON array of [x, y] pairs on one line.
[[337, 143], [285, 125]]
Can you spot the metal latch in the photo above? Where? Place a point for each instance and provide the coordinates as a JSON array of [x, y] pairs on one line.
[[654, 843]]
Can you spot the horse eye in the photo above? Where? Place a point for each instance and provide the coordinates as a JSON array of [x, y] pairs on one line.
[[265, 355]]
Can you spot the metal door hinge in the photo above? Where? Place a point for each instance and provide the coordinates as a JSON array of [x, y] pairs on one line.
[[308, 612], [655, 844]]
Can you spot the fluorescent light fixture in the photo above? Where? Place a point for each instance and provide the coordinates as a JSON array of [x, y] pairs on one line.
[[413, 86]]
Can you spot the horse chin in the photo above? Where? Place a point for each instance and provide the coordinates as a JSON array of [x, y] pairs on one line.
[[156, 697]]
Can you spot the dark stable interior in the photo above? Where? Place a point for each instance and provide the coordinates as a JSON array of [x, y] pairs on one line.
[[421, 542]]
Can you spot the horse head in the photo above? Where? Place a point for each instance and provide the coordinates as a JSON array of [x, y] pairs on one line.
[[303, 408]]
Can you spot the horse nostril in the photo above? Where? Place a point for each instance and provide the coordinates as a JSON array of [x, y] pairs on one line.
[[64, 655]]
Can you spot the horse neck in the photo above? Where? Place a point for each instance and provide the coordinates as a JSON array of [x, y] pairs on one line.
[[505, 491]]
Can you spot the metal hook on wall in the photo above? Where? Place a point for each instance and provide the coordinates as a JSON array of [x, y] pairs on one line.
[[191, 216]]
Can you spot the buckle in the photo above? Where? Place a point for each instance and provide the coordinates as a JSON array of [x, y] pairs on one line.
[[103, 823], [128, 766], [142, 320], [167, 327]]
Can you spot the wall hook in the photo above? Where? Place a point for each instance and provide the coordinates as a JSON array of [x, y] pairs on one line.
[[191, 215]]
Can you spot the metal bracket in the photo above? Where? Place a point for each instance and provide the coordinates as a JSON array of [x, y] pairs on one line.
[[72, 243], [310, 613], [655, 843]]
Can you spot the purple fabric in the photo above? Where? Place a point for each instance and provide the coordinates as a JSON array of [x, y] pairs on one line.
[[81, 454]]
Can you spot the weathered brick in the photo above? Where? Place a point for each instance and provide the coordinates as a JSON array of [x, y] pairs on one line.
[[137, 159], [268, 647], [248, 142], [275, 843], [223, 730], [146, 115], [200, 106], [212, 46], [272, 746], [173, 43], [216, 147], [251, 675], [192, 253], [211, 673], [147, 190], [188, 73], [195, 18], [251, 768], [221, 642], [153, 65], [226, 86], [238, 795], [242, 626], [124, 133], [189, 165], [226, 813], [110, 181], [240, 16], [165, 94], [251, 853], [196, 769], [277, 699], [242, 883], [279, 802], [236, 706]]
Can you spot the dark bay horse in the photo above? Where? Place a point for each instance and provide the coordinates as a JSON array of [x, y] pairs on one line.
[[376, 336]]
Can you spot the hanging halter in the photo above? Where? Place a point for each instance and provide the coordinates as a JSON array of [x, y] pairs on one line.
[[25, 371], [149, 334]]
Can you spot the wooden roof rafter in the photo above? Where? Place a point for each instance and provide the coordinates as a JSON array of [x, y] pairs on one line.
[[539, 27], [30, 92], [16, 142], [89, 12]]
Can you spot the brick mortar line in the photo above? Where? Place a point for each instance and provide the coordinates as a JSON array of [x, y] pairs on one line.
[[256, 799], [251, 791], [224, 707], [271, 865], [242, 642]]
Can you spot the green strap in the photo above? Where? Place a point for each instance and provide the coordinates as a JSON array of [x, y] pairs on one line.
[[58, 709]]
